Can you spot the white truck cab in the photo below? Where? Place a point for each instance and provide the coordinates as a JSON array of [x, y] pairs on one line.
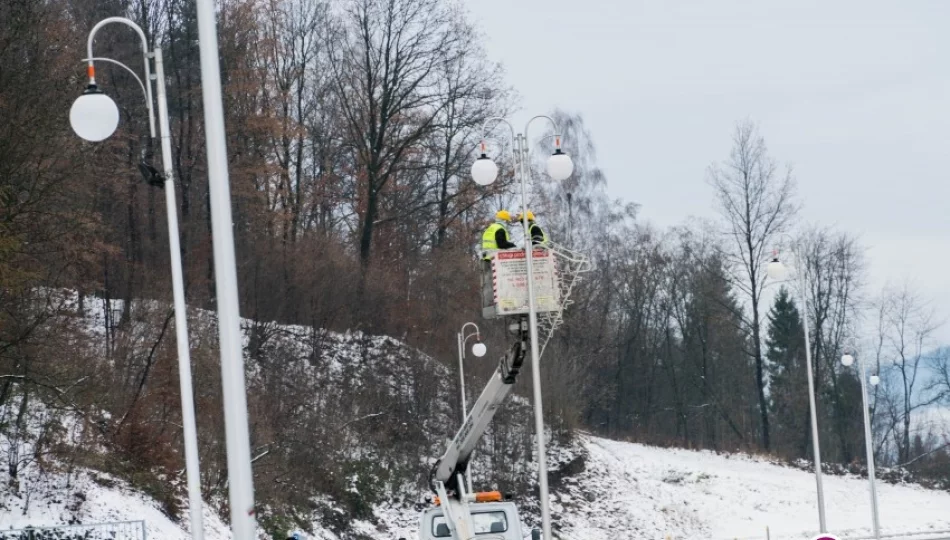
[[491, 520]]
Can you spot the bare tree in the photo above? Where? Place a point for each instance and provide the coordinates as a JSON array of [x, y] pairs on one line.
[[474, 90], [941, 382], [906, 326], [756, 202], [576, 209], [385, 68], [834, 265]]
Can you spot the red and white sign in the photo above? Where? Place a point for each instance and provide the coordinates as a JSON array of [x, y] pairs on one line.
[[509, 277]]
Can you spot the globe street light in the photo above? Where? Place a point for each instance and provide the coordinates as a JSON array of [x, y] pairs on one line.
[[777, 271], [484, 170], [94, 117], [559, 167], [848, 360], [478, 349]]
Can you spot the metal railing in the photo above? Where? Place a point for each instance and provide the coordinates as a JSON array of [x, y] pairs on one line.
[[118, 530]]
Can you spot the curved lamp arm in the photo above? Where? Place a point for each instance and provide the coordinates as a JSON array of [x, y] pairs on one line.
[[91, 69], [498, 120], [557, 130], [466, 337]]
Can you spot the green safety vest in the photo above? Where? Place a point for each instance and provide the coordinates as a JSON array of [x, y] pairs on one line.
[[488, 237], [544, 235]]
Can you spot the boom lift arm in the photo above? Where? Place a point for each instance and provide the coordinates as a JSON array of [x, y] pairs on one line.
[[450, 468]]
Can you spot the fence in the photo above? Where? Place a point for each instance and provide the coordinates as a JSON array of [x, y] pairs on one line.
[[119, 530]]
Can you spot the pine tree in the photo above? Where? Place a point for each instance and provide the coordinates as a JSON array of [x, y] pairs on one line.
[[785, 352], [717, 348]]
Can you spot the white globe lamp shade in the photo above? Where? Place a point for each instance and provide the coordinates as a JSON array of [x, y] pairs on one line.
[[776, 270], [847, 360], [875, 380], [484, 171], [560, 166], [479, 349], [94, 116]]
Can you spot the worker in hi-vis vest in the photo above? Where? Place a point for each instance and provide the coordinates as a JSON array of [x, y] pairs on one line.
[[496, 235], [537, 234]]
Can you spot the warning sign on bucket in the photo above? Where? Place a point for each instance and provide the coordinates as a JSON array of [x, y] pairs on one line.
[[509, 277]]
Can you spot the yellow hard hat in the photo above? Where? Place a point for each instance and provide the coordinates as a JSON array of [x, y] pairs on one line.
[[503, 215], [520, 216]]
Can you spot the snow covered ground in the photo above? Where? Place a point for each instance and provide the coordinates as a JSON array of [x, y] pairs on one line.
[[636, 491], [626, 491], [55, 498]]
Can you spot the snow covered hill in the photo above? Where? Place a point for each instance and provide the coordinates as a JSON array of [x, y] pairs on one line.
[[57, 498], [636, 491], [601, 489], [625, 490]]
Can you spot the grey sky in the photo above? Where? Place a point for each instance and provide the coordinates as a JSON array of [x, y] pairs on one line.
[[854, 94]]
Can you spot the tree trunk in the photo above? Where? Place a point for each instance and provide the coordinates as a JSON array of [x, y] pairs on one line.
[[760, 371], [366, 231]]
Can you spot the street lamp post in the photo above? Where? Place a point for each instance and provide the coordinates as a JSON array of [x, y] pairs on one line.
[[559, 167], [848, 360], [234, 392], [479, 350], [94, 117], [776, 270]]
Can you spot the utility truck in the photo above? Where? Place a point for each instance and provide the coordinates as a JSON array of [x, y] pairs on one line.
[[489, 520]]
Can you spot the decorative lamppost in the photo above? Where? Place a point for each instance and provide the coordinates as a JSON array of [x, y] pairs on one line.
[[776, 270], [478, 349], [95, 117], [847, 360], [559, 167]]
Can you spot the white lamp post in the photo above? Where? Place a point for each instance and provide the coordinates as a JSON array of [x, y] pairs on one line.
[[559, 167], [848, 360], [238, 439], [776, 271], [478, 349], [94, 117]]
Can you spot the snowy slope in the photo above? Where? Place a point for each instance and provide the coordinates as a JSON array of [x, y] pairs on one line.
[[625, 491], [90, 497], [611, 489], [636, 491], [47, 492]]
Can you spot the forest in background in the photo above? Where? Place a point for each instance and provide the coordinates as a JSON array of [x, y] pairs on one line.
[[351, 128]]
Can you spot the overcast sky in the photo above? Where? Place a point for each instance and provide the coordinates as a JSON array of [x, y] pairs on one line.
[[854, 94]]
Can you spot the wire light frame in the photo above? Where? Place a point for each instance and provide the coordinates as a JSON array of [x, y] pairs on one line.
[[569, 267]]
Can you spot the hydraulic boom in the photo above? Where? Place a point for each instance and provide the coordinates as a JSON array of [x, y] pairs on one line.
[[450, 469], [456, 457]]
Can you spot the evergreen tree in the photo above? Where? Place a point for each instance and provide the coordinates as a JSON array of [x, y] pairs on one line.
[[716, 347], [788, 397]]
